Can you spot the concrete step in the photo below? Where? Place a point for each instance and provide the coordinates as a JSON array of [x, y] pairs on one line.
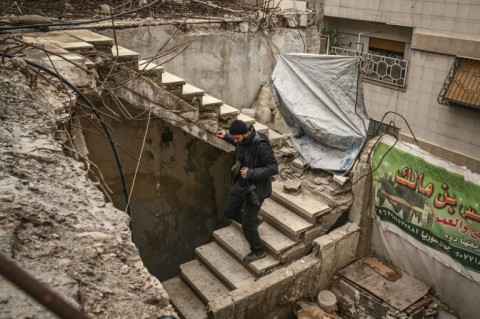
[[232, 273], [202, 281], [99, 41], [124, 54], [210, 101], [308, 207], [189, 92], [247, 119], [187, 304], [275, 241], [260, 128], [170, 79], [284, 219], [232, 240], [227, 111], [149, 68], [276, 139]]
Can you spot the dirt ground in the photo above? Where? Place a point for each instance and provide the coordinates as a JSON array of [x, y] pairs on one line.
[[70, 10], [54, 223]]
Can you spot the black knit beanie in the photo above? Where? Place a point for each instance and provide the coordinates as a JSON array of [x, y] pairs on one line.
[[238, 127]]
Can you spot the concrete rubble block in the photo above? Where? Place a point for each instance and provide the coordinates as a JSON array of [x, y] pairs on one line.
[[292, 186], [340, 179], [287, 151], [276, 139], [321, 181], [264, 115], [222, 307], [279, 124], [300, 163]]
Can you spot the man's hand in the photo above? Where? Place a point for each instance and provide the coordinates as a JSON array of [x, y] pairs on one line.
[[244, 172], [220, 133]]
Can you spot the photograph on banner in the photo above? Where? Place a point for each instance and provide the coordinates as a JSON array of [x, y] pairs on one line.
[[431, 200]]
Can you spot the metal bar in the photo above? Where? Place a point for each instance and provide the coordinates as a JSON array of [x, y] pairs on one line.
[[44, 295]]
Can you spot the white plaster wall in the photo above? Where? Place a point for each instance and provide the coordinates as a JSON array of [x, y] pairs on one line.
[[228, 64], [451, 128], [451, 17]]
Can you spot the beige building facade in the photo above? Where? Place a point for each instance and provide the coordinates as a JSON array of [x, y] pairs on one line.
[[421, 60]]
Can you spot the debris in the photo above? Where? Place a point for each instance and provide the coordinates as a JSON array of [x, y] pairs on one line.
[[292, 186], [386, 271], [339, 179], [299, 166], [321, 181]]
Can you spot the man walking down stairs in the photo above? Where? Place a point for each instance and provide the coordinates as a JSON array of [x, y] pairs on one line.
[[254, 166]]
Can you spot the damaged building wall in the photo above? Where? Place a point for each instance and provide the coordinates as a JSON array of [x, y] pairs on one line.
[[230, 60], [179, 189], [54, 223], [430, 37]]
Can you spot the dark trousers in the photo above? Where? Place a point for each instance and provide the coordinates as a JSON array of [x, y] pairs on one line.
[[238, 208]]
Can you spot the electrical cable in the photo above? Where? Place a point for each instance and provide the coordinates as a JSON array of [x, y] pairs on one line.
[[97, 115], [72, 23]]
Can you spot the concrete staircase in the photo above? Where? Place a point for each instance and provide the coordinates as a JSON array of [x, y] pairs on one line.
[[219, 266], [291, 224]]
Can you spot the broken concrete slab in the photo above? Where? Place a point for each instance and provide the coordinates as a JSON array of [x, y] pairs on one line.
[[339, 179], [292, 186]]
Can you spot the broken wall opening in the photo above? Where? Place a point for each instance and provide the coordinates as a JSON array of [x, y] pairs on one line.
[[179, 189]]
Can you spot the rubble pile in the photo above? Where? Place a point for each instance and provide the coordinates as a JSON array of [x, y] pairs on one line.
[[55, 223]]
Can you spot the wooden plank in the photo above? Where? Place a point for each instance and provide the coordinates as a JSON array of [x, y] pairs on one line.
[[399, 294], [384, 270]]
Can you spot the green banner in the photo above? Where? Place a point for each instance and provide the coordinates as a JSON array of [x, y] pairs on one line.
[[436, 206]]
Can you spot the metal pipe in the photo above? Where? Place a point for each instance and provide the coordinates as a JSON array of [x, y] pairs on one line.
[[41, 293]]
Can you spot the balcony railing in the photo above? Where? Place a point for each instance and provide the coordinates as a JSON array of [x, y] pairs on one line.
[[378, 67]]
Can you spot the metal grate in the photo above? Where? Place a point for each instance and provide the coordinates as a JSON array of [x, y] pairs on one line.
[[462, 85], [378, 67]]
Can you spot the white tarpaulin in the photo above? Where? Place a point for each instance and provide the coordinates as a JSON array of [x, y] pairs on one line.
[[316, 95]]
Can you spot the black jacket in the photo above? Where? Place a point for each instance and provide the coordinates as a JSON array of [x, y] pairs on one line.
[[256, 154]]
